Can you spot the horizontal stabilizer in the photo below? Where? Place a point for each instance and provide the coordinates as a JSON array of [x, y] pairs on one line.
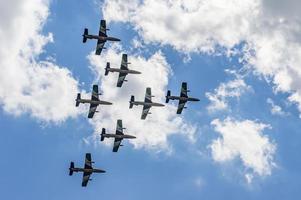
[[131, 101], [106, 69], [77, 100], [167, 96], [103, 132], [71, 168], [85, 35]]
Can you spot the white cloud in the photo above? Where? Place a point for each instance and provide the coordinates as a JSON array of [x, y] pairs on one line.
[[188, 25], [269, 31], [153, 132], [275, 109], [232, 89], [28, 85], [249, 178], [244, 140]]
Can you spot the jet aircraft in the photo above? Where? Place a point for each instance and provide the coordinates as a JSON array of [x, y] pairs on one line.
[[101, 37], [183, 98], [87, 170], [119, 136], [147, 104], [123, 71], [94, 102]]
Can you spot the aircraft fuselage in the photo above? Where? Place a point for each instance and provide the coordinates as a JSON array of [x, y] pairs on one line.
[[102, 38], [87, 170], [182, 98], [118, 136], [98, 102], [123, 71], [136, 103]]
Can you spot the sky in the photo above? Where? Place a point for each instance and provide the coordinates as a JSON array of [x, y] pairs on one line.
[[241, 58]]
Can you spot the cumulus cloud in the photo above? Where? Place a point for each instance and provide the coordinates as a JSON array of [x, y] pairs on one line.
[[187, 25], [275, 109], [153, 132], [244, 140], [27, 84], [219, 98], [268, 30]]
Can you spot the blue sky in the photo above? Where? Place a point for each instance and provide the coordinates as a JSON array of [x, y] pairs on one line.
[[35, 153]]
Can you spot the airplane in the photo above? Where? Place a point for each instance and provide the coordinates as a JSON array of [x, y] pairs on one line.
[[101, 37], [119, 136], [123, 71], [87, 170], [94, 102], [147, 104], [183, 98]]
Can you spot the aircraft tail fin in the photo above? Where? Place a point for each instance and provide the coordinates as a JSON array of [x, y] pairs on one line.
[[77, 100], [131, 101], [167, 96], [106, 69], [71, 168], [86, 32], [102, 137]]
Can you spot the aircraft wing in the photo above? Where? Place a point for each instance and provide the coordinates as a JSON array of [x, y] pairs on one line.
[[121, 78], [117, 143], [88, 161], [103, 33], [94, 97], [119, 128], [119, 131], [95, 93], [103, 28], [123, 66], [145, 111], [124, 62], [181, 105], [184, 90], [92, 110], [148, 95], [99, 47], [88, 165], [147, 99], [86, 178]]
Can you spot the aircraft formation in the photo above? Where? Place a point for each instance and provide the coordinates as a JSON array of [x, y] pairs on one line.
[[94, 102]]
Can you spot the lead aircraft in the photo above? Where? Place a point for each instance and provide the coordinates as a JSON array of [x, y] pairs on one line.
[[87, 170], [94, 101], [183, 98], [101, 37], [119, 136], [123, 70], [147, 103]]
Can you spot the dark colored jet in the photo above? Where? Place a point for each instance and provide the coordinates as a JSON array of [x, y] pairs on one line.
[[101, 37], [147, 104], [94, 101], [183, 98], [119, 136], [87, 170], [123, 71]]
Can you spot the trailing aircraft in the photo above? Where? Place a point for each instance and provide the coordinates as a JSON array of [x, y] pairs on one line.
[[119, 136], [123, 70], [147, 103], [87, 170], [94, 101], [101, 37], [183, 98]]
